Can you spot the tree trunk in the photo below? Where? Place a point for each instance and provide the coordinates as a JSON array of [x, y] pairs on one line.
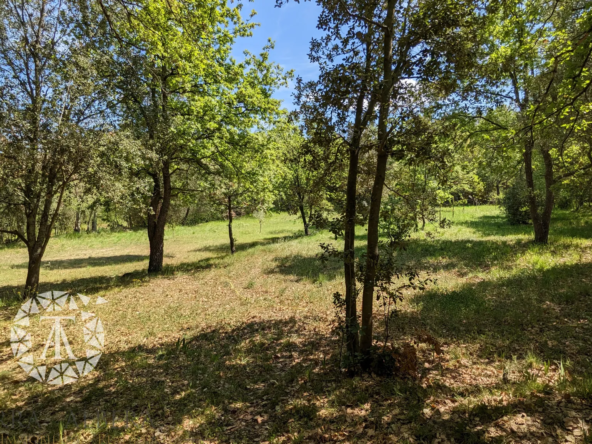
[[186, 216], [351, 315], [33, 272], [94, 221], [372, 255], [540, 222], [160, 204], [38, 233], [77, 222], [303, 215], [231, 237]]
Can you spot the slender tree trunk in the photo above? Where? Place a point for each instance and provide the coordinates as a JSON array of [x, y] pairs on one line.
[[230, 235], [372, 255], [351, 315], [363, 112], [186, 216], [160, 204], [77, 222], [94, 221], [549, 196], [303, 215]]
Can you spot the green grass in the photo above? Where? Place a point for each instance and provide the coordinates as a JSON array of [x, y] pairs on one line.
[[223, 348]]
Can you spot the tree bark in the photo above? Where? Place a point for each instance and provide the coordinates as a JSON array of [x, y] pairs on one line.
[[185, 217], [372, 255], [541, 222], [77, 222], [231, 237], [33, 273], [160, 204], [94, 221], [303, 215], [351, 315]]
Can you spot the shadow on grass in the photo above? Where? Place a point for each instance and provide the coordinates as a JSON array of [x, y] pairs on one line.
[[431, 255], [96, 284], [548, 312], [97, 261], [244, 246], [563, 224], [307, 267], [263, 380]]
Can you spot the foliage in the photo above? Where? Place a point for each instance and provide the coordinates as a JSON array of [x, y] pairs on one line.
[[515, 203]]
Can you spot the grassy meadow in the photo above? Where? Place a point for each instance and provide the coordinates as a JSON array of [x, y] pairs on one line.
[[239, 348]]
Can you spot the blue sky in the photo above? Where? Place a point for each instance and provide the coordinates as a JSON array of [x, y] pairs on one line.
[[291, 27]]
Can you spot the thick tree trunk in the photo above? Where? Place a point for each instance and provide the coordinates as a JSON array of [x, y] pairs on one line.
[[303, 215], [160, 204], [231, 237], [541, 222], [372, 255], [33, 272], [38, 233]]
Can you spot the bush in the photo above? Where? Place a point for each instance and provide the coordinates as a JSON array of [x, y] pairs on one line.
[[515, 203], [564, 200]]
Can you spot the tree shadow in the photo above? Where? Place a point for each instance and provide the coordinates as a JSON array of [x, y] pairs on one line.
[[307, 267], [465, 255], [10, 294], [91, 261], [258, 381], [563, 224], [547, 312], [244, 246], [432, 255], [244, 374]]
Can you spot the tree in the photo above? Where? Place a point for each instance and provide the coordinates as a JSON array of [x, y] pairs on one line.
[[178, 86], [421, 42], [241, 174], [538, 65], [50, 117], [310, 170], [338, 109]]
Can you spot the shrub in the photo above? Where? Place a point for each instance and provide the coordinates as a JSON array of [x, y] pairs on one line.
[[515, 203]]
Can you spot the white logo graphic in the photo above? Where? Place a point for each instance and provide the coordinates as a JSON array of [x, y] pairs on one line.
[[62, 366]]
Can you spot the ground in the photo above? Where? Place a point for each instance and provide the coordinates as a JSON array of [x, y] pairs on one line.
[[240, 349]]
